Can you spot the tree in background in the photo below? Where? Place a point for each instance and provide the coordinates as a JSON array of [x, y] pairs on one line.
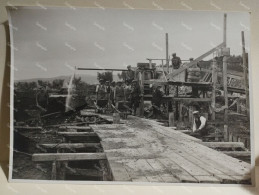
[[106, 76], [57, 83], [25, 86], [42, 83]]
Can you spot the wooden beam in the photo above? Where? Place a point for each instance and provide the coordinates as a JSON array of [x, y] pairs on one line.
[[245, 69], [238, 154], [167, 51], [194, 61], [214, 81], [75, 127], [68, 156], [179, 83], [234, 145], [102, 69], [71, 145], [84, 172], [77, 133], [24, 127], [171, 119], [225, 87], [225, 31]]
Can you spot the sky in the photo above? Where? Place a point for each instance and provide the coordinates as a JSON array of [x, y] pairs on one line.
[[49, 42]]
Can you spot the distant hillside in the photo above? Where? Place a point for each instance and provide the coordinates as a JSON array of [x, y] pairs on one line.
[[90, 79]]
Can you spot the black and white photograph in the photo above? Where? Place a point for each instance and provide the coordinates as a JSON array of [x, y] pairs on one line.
[[103, 95]]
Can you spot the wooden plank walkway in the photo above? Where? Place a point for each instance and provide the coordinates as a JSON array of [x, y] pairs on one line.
[[141, 150]]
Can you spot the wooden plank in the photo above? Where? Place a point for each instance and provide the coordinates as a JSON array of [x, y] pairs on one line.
[[27, 128], [233, 145], [177, 171], [119, 173], [71, 145], [84, 172], [197, 172], [155, 178], [169, 178], [116, 143], [76, 127], [238, 154], [230, 166], [140, 179], [77, 133], [68, 156]]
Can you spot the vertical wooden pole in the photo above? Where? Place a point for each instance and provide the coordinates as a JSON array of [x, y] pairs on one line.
[[225, 31], [167, 55], [225, 87], [150, 63], [226, 133], [245, 69], [54, 171], [191, 114], [163, 66], [141, 109], [171, 119], [214, 82], [238, 105], [180, 112]]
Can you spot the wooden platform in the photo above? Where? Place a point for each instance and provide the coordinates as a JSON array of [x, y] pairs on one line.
[[141, 150]]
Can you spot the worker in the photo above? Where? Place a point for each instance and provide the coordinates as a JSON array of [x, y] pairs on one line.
[[42, 99], [199, 124], [119, 94], [130, 74], [157, 100], [176, 61], [112, 91], [101, 91], [135, 96], [127, 89]]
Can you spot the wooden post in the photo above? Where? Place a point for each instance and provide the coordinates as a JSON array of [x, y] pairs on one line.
[[191, 114], [238, 105], [225, 31], [225, 87], [214, 81], [171, 119], [245, 69], [180, 112], [167, 59], [163, 66], [141, 108], [150, 63], [226, 133], [54, 171]]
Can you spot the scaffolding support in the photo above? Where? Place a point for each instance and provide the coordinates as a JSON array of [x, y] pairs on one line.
[[245, 70], [214, 81], [225, 87]]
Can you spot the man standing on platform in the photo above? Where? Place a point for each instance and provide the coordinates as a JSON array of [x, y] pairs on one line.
[[135, 96], [130, 74], [199, 124], [119, 94], [156, 101], [176, 61]]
